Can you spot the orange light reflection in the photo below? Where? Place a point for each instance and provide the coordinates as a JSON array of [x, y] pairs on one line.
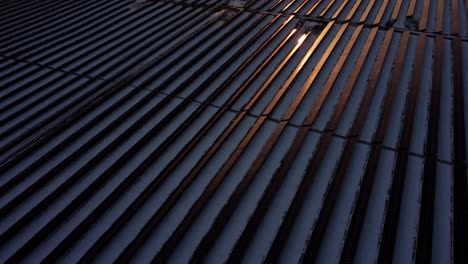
[[292, 33], [301, 40], [286, 7]]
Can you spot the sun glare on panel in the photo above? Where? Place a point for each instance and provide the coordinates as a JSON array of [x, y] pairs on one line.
[[301, 39]]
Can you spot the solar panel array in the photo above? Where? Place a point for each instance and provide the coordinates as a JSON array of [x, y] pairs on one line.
[[254, 131]]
